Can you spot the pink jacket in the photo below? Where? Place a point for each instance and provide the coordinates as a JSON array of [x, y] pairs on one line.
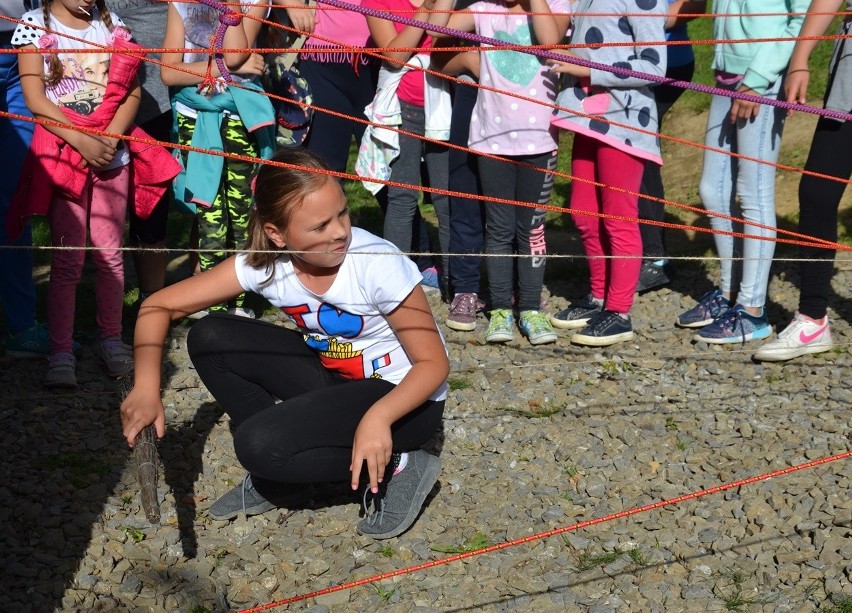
[[53, 167]]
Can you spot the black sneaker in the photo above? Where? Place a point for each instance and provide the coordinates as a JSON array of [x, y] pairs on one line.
[[394, 508], [652, 276], [577, 314], [604, 329], [247, 499]]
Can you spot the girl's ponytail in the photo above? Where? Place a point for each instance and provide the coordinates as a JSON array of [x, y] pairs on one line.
[[105, 16], [54, 67]]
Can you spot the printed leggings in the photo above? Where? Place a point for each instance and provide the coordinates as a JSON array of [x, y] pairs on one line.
[[224, 225], [293, 420]]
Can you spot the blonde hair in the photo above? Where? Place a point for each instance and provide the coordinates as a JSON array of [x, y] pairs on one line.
[[278, 192], [54, 67]]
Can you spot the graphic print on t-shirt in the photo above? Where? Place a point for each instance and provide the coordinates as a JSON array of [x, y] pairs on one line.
[[83, 82]]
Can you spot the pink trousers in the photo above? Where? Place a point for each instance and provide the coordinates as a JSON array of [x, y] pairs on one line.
[[612, 279], [100, 215]]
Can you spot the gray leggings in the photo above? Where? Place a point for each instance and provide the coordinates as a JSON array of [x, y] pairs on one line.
[[516, 229], [402, 203]]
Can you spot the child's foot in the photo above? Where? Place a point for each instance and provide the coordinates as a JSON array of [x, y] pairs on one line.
[[735, 325], [33, 342], [802, 336], [535, 326], [116, 356], [578, 314], [501, 327], [61, 371], [463, 310], [710, 306], [247, 499], [393, 510], [652, 275], [605, 328]]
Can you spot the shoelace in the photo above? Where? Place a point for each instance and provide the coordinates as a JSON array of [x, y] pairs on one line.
[[466, 303], [374, 509], [730, 320], [537, 322], [604, 322]]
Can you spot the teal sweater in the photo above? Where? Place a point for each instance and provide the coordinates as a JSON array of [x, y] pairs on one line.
[[761, 63]]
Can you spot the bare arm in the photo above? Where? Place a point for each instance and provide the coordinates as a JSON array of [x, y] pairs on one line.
[[549, 29], [414, 324], [384, 33], [684, 7], [143, 405], [301, 16], [798, 74]]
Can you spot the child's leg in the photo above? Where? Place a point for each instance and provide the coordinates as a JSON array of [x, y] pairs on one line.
[[818, 202], [585, 197], [402, 202], [759, 139], [621, 171], [532, 186], [237, 193], [717, 184], [437, 163], [499, 180], [67, 229], [107, 213]]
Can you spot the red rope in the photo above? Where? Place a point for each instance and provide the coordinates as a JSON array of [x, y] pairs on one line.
[[547, 534]]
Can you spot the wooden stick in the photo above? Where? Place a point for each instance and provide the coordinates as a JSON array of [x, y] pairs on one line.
[[147, 463]]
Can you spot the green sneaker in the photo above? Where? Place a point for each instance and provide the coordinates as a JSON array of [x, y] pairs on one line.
[[536, 327], [500, 327]]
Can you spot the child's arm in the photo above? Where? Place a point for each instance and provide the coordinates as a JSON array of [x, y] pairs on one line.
[[126, 113], [415, 327], [549, 29], [143, 405], [453, 62], [235, 38], [384, 33], [798, 75], [301, 16], [443, 18], [684, 7], [96, 151]]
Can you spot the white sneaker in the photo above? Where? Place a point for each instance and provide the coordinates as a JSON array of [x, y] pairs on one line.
[[801, 337]]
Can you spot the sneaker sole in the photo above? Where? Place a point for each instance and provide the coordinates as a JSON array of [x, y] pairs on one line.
[[427, 482], [460, 326], [696, 324], [543, 339], [753, 336], [258, 509], [601, 341], [568, 324], [789, 354], [499, 338]]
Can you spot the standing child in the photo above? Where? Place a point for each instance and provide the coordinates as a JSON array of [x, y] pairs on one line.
[[520, 131], [80, 180], [235, 120], [602, 108], [360, 385], [819, 197], [734, 313]]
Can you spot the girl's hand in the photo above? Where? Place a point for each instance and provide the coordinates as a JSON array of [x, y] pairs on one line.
[[253, 66], [301, 17], [796, 87], [142, 409], [373, 445], [743, 109], [97, 151], [566, 68]]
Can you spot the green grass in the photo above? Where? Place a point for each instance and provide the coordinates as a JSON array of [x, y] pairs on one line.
[[475, 542]]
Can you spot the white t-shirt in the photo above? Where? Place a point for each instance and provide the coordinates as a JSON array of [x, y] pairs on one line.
[[199, 25], [85, 75], [347, 326]]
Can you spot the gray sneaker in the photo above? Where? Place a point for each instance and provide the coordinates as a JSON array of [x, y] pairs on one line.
[[393, 510], [247, 499], [578, 314], [61, 371], [116, 356]]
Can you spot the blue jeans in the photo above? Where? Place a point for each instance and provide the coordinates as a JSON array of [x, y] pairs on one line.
[[17, 291], [402, 202], [726, 179]]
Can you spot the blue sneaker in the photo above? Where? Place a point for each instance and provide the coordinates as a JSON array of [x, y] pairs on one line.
[[431, 278], [603, 329], [735, 325], [709, 308], [31, 343]]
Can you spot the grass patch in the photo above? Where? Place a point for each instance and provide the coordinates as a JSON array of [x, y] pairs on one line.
[[384, 594], [475, 542], [458, 383], [733, 594], [536, 410], [841, 604], [386, 551], [134, 533], [587, 561], [82, 470]]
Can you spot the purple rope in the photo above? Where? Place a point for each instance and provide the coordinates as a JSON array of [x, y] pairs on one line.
[[227, 19], [715, 91]]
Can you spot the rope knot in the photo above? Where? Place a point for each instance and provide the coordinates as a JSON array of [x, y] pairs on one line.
[[231, 19]]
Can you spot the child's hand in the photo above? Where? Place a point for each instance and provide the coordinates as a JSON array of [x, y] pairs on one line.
[[301, 17], [97, 151], [253, 66], [373, 444], [142, 409], [796, 86], [566, 68], [744, 110]]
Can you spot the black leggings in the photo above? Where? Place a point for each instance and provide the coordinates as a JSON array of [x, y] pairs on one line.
[[818, 203], [294, 420]]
